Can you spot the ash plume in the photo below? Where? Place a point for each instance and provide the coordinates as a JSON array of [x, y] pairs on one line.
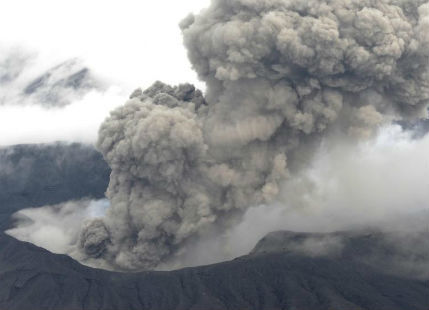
[[281, 75]]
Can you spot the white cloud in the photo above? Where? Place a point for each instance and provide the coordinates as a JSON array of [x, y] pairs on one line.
[[56, 228], [130, 41], [128, 44], [78, 122]]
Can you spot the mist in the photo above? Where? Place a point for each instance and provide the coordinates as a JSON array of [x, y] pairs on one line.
[[375, 185], [77, 122], [63, 32], [57, 227]]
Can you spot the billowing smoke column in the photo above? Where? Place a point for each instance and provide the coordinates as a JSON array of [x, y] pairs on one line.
[[279, 74]]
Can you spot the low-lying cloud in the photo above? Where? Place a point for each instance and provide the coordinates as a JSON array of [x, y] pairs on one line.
[[380, 184], [77, 122], [376, 185], [56, 228]]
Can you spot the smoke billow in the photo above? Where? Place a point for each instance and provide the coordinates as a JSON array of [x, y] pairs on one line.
[[280, 75]]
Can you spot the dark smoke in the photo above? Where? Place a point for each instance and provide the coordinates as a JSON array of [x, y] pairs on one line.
[[280, 75]]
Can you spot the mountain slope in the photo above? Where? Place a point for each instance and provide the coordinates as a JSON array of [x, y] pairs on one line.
[[38, 175], [33, 278]]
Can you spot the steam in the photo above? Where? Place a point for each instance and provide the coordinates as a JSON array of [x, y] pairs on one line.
[[374, 185], [402, 254], [281, 77], [56, 228]]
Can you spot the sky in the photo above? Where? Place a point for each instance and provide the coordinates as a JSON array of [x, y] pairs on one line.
[[131, 40], [126, 43]]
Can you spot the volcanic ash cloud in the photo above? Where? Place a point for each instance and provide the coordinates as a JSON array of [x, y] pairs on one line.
[[280, 75]]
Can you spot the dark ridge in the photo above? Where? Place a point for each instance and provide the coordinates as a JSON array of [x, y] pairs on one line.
[[76, 80], [401, 253], [37, 83], [76, 77], [33, 278], [61, 84], [38, 175]]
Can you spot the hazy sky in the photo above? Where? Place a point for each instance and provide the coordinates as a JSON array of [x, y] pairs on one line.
[[129, 43], [131, 40]]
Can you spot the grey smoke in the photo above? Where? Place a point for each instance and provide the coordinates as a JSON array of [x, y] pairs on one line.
[[281, 76], [379, 184], [374, 185]]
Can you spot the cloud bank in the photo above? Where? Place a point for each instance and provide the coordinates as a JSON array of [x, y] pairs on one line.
[[44, 101], [56, 228]]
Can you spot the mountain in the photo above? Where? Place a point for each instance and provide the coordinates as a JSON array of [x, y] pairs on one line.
[[359, 270], [400, 253], [33, 278], [38, 175], [62, 83], [25, 80]]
